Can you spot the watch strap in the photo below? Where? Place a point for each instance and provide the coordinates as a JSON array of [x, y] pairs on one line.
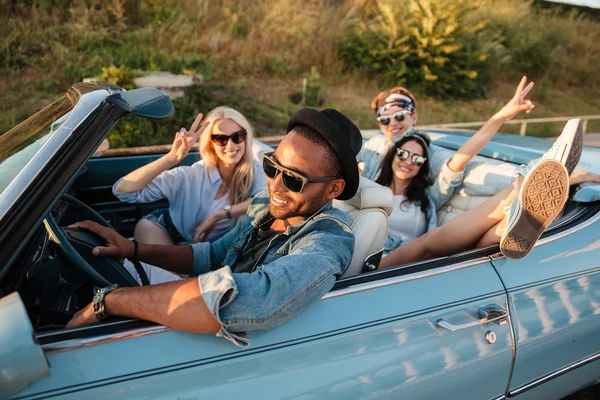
[[99, 304]]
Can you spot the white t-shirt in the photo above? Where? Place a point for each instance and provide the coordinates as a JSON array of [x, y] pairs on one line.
[[225, 224], [407, 221]]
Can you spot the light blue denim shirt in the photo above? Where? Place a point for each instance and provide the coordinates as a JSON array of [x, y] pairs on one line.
[[190, 191], [445, 183], [299, 267]]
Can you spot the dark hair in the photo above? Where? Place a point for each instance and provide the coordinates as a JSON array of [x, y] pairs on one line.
[[331, 161], [416, 192]]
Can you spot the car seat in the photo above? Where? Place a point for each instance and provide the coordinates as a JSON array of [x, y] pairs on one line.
[[368, 212]]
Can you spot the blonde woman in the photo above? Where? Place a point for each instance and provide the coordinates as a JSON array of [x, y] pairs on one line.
[[205, 198]]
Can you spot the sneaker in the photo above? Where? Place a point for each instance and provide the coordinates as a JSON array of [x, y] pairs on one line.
[[542, 196], [567, 148]]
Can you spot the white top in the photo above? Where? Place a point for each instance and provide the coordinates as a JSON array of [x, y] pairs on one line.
[[191, 193], [407, 221], [223, 225]]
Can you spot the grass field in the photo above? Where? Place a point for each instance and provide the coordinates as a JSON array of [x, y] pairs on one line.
[[254, 55]]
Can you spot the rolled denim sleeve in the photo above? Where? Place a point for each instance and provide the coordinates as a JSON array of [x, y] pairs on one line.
[[281, 289], [445, 184], [210, 256], [161, 187]]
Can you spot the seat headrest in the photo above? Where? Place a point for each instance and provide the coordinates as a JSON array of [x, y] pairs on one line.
[[372, 195]]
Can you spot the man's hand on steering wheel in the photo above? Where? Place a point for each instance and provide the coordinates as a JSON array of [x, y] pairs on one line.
[[116, 245]]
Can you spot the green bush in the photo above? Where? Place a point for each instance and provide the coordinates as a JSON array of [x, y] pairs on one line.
[[545, 43], [134, 131], [431, 45]]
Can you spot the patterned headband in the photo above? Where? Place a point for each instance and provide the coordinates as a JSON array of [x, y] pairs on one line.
[[398, 100]]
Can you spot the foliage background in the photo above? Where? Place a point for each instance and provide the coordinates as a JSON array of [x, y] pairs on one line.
[[461, 57]]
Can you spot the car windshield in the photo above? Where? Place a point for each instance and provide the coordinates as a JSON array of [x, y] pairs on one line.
[[19, 145]]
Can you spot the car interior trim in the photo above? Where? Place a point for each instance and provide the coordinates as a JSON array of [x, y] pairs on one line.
[[404, 278], [554, 374], [72, 344], [584, 224]]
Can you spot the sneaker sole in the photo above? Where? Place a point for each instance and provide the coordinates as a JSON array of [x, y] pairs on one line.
[[543, 194]]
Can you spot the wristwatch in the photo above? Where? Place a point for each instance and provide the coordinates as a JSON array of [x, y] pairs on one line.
[[228, 211], [99, 308]]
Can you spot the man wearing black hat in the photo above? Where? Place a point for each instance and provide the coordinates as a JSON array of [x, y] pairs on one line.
[[284, 255]]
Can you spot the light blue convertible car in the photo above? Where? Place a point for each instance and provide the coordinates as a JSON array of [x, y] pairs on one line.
[[474, 325]]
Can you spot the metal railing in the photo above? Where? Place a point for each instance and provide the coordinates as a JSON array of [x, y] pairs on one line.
[[522, 122], [367, 133]]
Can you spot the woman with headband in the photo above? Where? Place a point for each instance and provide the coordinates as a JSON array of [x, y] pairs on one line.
[[397, 114], [205, 198], [420, 194]]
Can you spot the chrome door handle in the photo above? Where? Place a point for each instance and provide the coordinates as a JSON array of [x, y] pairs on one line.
[[487, 314]]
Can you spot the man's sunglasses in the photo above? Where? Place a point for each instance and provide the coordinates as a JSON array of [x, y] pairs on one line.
[[236, 137], [399, 116], [292, 180], [416, 159]]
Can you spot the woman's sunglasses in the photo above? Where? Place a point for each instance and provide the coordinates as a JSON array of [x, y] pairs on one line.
[[236, 137], [399, 116], [416, 159], [292, 180]]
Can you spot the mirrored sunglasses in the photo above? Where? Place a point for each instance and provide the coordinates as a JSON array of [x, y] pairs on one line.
[[292, 180], [236, 137], [416, 159], [399, 116]]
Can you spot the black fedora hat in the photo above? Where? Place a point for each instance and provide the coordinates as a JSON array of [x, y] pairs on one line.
[[342, 135]]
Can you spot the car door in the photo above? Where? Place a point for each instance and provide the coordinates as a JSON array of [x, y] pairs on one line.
[[554, 298], [412, 332]]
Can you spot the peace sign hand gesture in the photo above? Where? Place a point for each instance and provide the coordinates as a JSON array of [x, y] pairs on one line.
[[184, 139], [518, 102]]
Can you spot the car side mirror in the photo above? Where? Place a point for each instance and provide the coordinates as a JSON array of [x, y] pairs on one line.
[[145, 102], [22, 360]]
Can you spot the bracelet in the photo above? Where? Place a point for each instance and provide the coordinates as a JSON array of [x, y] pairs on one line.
[[227, 210], [136, 247]]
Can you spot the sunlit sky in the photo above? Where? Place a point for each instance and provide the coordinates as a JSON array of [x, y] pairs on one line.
[[587, 3]]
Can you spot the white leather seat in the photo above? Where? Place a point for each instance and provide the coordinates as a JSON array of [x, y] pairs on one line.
[[368, 212], [483, 178], [460, 202]]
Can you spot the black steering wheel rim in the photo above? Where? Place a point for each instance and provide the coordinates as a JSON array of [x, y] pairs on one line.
[[111, 266]]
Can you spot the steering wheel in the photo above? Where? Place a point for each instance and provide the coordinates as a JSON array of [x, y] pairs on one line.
[[77, 244]]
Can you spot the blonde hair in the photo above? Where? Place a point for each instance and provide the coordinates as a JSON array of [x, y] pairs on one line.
[[243, 174]]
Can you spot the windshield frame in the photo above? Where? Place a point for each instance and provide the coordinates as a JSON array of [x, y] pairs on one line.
[[26, 200]]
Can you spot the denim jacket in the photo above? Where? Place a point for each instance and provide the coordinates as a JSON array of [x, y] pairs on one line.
[[299, 266], [444, 185]]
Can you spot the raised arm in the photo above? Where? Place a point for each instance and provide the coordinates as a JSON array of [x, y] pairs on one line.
[[184, 140], [476, 143]]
